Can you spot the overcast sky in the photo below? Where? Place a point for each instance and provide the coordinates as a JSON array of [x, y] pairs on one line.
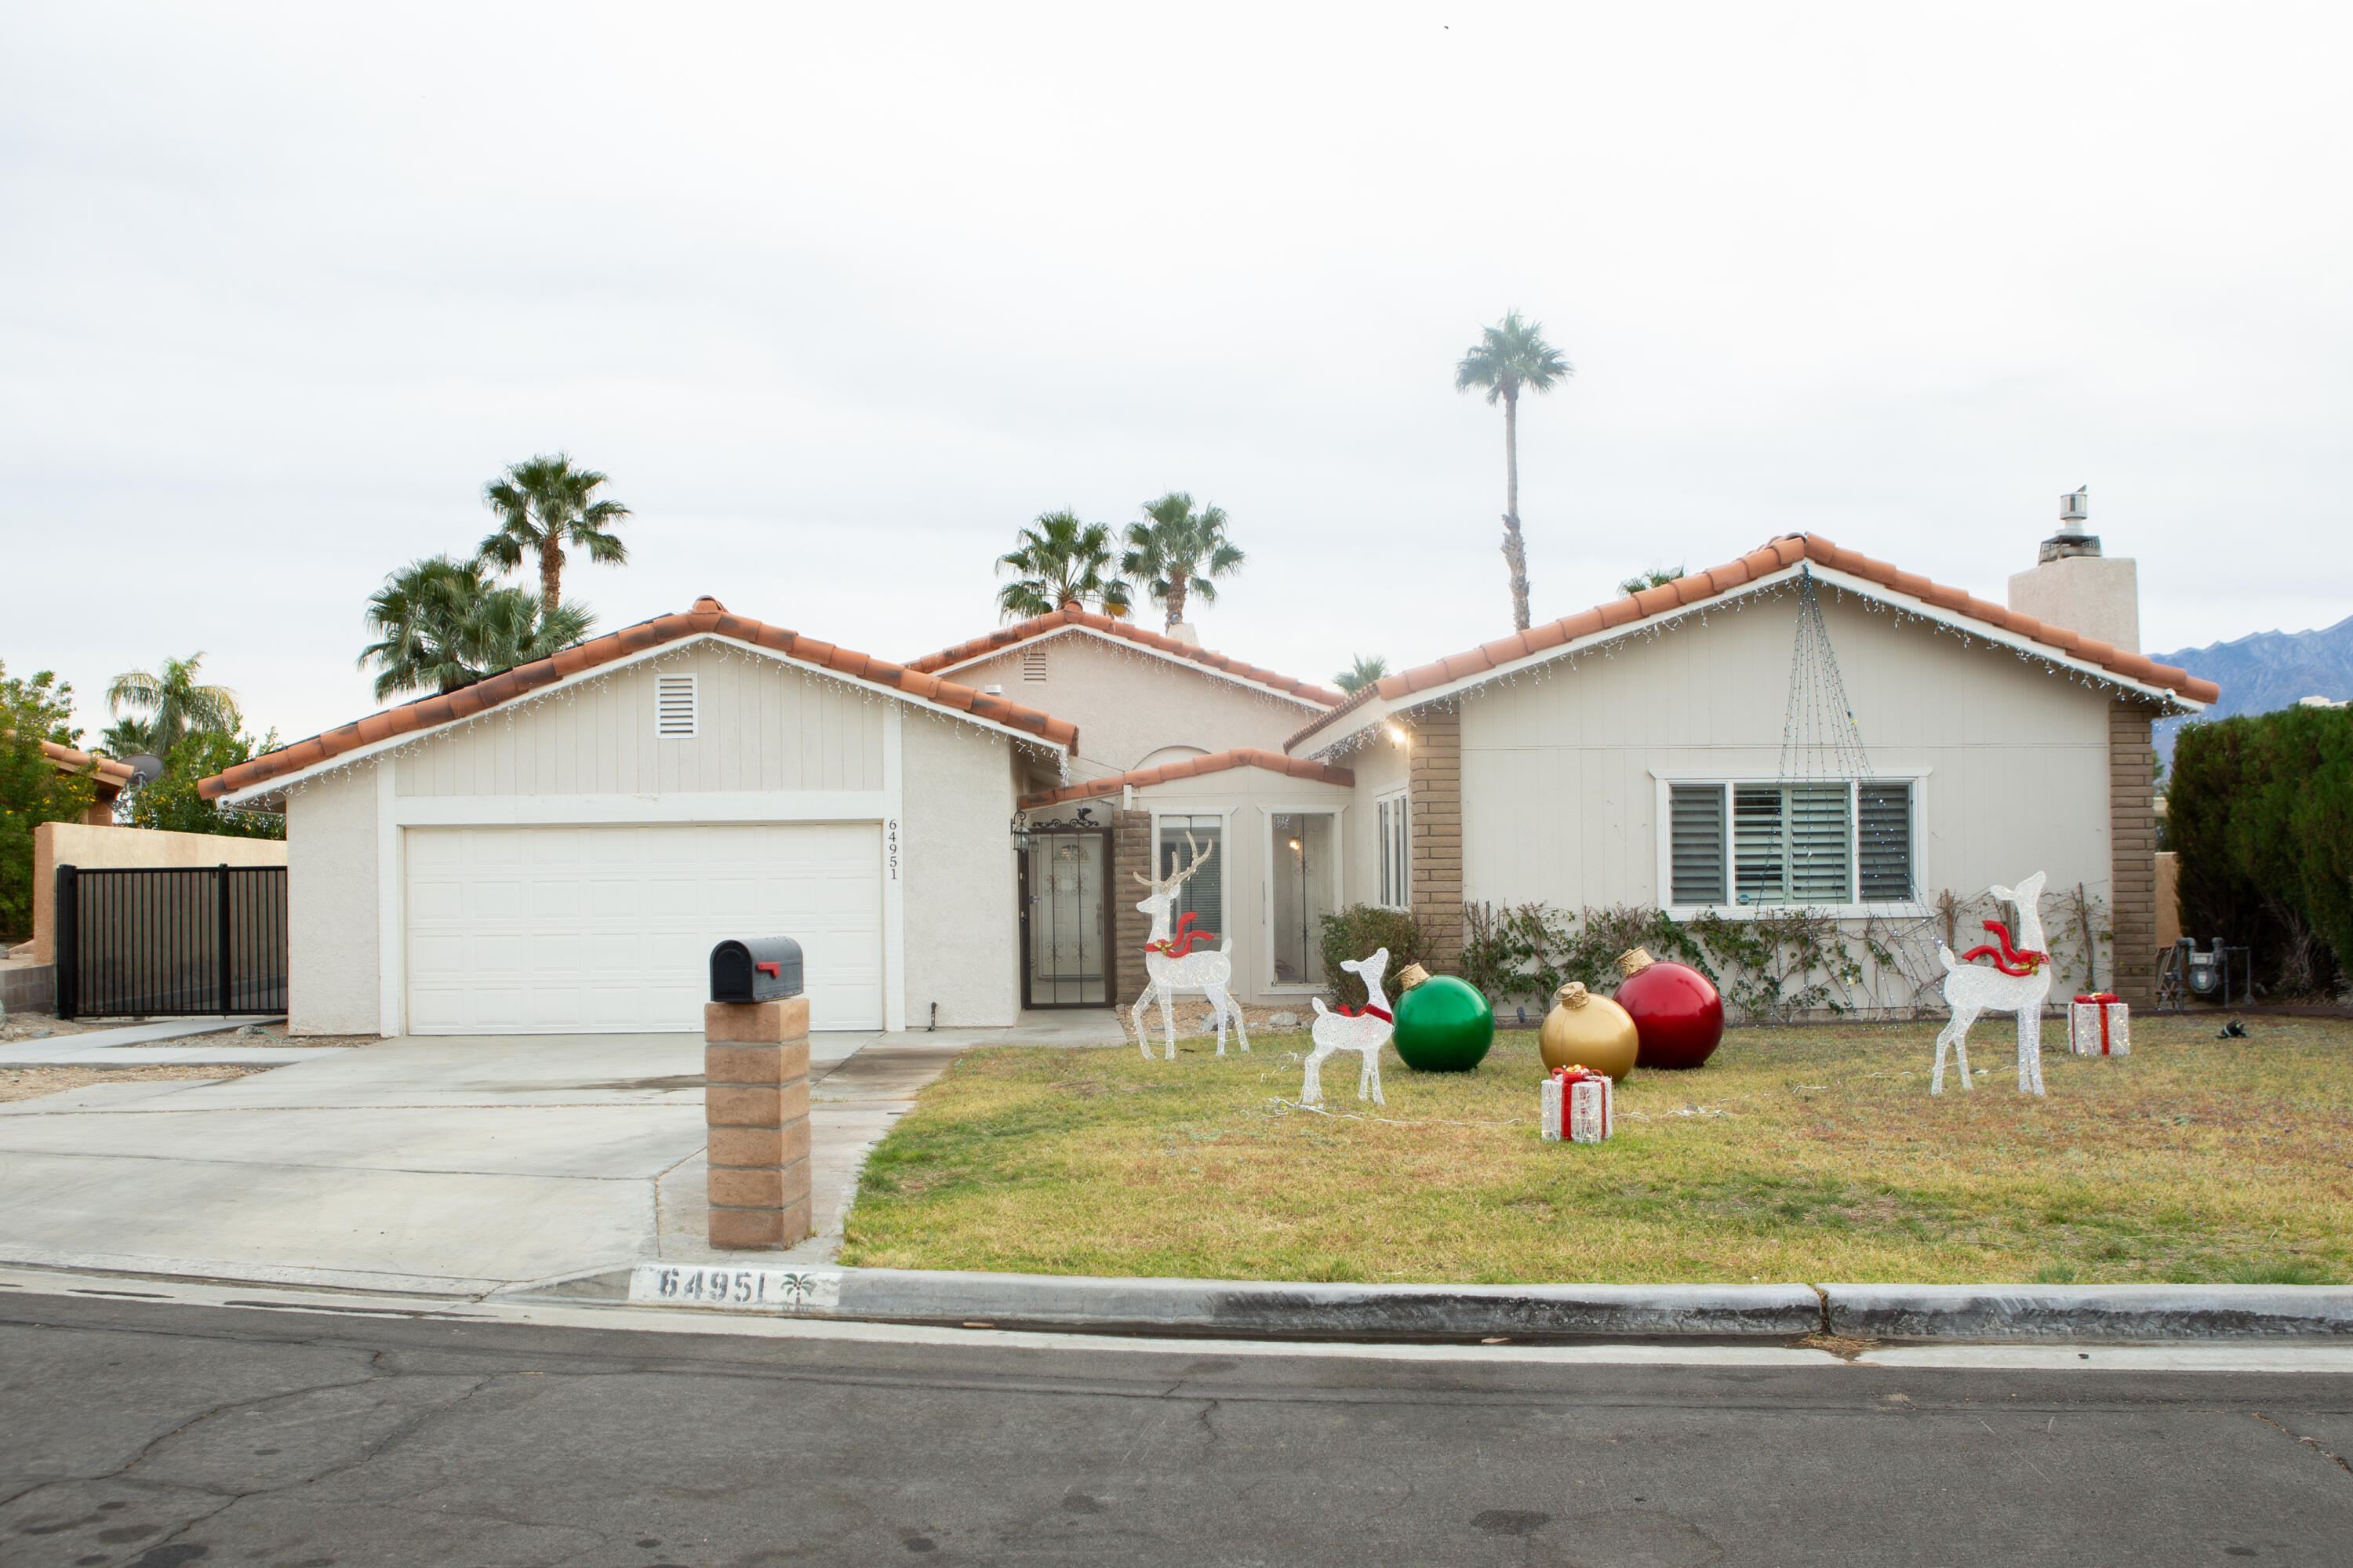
[[841, 296]]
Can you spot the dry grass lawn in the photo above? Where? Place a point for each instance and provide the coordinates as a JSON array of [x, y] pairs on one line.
[[1796, 1154]]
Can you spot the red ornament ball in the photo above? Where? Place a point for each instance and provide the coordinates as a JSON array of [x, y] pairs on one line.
[[1678, 1016]]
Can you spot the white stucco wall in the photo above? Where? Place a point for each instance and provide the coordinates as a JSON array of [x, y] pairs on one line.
[[1250, 796], [332, 948], [1129, 703], [1559, 800], [764, 725], [963, 935]]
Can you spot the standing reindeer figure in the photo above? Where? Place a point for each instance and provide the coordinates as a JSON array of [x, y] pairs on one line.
[[2018, 982], [1175, 964], [1364, 1031]]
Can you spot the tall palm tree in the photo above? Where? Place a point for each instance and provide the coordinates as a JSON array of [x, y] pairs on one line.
[[1362, 672], [1509, 357], [543, 505], [1061, 561], [1177, 550], [442, 624], [169, 704]]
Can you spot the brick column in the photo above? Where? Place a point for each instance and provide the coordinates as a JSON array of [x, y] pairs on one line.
[[1131, 857], [1434, 779], [2132, 848], [755, 1103]]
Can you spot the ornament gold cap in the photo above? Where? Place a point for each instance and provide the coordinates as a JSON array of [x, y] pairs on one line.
[[1412, 976], [1573, 995], [1633, 961]]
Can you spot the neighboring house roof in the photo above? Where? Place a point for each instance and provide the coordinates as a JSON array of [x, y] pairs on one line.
[[1071, 615], [112, 775], [1192, 767], [1781, 557], [709, 618]]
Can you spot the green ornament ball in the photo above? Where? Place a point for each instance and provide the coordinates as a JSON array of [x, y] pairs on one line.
[[1443, 1025]]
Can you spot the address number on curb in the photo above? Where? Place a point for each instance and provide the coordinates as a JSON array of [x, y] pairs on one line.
[[735, 1289]]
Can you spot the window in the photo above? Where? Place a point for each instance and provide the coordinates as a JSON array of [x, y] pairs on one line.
[[1203, 896], [1828, 844], [1304, 885], [1396, 891], [674, 705]]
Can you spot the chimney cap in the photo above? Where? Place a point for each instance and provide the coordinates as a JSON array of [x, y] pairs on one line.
[[2074, 511]]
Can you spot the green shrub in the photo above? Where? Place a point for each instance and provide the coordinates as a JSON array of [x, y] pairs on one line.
[[1354, 933], [32, 790], [2260, 809]]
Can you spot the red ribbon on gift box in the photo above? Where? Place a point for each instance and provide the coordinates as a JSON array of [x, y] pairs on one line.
[[2100, 999], [1579, 1074]]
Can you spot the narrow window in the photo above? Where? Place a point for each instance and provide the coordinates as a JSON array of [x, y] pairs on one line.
[[1203, 896], [1883, 834], [1696, 851], [1390, 824], [1304, 883], [674, 706]]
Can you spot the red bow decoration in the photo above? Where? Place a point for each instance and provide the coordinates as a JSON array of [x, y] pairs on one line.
[[1181, 944], [1373, 1008], [2008, 955]]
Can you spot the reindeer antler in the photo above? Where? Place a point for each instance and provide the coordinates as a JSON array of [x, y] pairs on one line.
[[1199, 855]]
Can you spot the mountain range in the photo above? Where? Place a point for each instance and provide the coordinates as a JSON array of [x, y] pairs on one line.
[[2265, 670]]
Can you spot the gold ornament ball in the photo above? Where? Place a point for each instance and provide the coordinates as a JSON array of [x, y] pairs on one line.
[[1585, 1030]]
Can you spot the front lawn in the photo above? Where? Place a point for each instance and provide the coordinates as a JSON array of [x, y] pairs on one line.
[[1796, 1154]]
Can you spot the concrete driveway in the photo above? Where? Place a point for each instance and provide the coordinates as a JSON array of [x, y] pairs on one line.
[[461, 1165]]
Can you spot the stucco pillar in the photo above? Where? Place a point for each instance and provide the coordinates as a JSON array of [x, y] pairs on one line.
[[2131, 845], [1131, 857], [756, 1104], [1434, 780]]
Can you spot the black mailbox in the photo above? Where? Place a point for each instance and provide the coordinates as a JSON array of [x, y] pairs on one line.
[[765, 968]]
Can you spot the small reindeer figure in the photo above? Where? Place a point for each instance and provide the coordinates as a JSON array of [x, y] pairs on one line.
[[1364, 1031], [2018, 982], [1175, 964]]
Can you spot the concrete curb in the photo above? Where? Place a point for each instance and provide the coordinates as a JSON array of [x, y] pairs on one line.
[[2106, 1312]]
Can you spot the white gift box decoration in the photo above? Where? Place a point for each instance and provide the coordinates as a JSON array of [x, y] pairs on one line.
[[2099, 1025], [1574, 1106]]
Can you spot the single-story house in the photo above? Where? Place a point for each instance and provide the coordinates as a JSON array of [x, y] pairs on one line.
[[955, 839]]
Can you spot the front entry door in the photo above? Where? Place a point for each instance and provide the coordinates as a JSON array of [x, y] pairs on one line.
[[1066, 919]]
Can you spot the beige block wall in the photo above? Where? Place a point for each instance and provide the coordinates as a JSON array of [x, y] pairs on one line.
[[1129, 704], [330, 904], [764, 725], [93, 848], [963, 932], [1559, 803], [1253, 796]]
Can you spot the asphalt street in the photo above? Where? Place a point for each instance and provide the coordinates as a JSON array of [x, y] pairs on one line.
[[155, 1434]]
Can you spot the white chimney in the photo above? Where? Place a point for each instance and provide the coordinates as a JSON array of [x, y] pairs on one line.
[[2074, 585]]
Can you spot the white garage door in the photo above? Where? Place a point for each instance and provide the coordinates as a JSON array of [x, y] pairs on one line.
[[609, 929]]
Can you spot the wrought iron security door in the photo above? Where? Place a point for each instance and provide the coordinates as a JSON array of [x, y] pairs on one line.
[[1066, 917]]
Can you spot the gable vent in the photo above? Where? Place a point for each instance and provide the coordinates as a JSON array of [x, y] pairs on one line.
[[1033, 666], [674, 714]]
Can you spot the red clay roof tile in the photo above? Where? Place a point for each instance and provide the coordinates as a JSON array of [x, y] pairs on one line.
[[1069, 615], [711, 618], [1788, 550], [1193, 767]]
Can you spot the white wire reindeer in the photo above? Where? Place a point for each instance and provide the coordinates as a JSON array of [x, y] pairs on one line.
[[2018, 982], [1174, 964], [1363, 1031]]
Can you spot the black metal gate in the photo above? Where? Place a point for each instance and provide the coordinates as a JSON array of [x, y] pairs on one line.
[[1066, 917], [145, 941]]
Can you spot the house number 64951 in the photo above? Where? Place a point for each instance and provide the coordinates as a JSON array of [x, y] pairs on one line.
[[891, 831]]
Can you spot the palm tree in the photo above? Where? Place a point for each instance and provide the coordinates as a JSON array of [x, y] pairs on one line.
[[172, 705], [1657, 576], [1178, 550], [1061, 561], [1367, 669], [1511, 356], [543, 505], [442, 624]]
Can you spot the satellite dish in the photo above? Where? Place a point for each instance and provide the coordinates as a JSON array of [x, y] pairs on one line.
[[145, 767]]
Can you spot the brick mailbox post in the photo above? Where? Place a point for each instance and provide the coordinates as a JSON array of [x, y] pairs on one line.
[[756, 1094]]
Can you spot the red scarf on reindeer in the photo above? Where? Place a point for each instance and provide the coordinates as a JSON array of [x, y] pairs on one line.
[[1181, 944], [2008, 955]]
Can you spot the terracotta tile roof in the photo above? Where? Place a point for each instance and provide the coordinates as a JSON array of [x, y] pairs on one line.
[[1191, 767], [709, 617], [1785, 551], [68, 761], [1021, 631]]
